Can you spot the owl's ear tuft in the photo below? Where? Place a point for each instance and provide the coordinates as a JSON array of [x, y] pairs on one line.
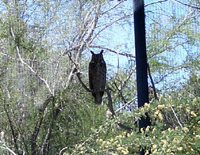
[[92, 52], [101, 52]]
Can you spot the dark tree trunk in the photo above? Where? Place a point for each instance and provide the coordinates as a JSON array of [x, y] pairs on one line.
[[141, 60]]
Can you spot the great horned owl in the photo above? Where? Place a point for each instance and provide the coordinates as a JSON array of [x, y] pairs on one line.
[[97, 76]]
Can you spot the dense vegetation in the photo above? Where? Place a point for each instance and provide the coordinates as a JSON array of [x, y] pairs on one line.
[[44, 108]]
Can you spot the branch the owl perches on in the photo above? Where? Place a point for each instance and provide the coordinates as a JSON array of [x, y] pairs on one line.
[[97, 81], [110, 104]]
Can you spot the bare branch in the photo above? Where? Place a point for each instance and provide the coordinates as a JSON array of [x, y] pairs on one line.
[[110, 24], [84, 86], [62, 151], [125, 127], [44, 147], [176, 117], [38, 124], [70, 58], [105, 12], [69, 50], [8, 149], [191, 6], [169, 73], [125, 105], [152, 82], [13, 131], [128, 77], [113, 51], [155, 3], [93, 25], [123, 84], [120, 92], [86, 18]]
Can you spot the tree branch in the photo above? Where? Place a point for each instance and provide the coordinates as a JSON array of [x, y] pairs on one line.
[[8, 149], [152, 82], [55, 113], [38, 125], [27, 65], [62, 151], [191, 6], [84, 86], [110, 104], [176, 117], [113, 51], [124, 105], [14, 135], [156, 2]]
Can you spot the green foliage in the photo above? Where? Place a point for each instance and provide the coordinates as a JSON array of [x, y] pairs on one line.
[[192, 86], [174, 130]]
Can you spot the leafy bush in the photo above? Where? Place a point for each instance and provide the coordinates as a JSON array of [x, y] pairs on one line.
[[175, 129]]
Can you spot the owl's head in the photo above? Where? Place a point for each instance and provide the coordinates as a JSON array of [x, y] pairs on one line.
[[97, 58]]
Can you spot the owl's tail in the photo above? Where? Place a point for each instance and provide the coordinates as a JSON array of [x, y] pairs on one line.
[[98, 98]]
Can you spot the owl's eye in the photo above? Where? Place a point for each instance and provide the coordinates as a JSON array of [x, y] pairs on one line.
[[102, 63], [92, 63]]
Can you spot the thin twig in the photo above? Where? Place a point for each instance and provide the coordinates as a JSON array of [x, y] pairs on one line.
[[128, 77], [120, 92], [8, 149], [70, 58], [155, 3], [110, 9], [176, 117], [12, 128], [110, 24], [113, 51], [152, 82], [124, 105], [55, 113], [123, 84], [191, 6]]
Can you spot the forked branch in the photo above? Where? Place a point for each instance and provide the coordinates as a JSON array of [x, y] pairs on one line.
[[110, 104]]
